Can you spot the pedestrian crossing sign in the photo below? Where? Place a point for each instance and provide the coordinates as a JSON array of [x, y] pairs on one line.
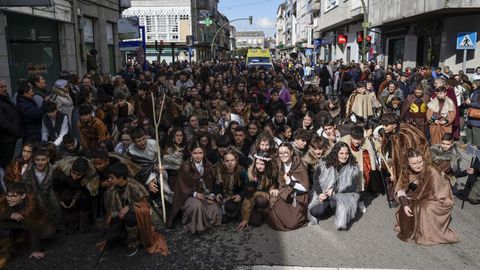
[[466, 40]]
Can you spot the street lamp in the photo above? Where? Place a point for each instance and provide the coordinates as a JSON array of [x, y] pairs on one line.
[[212, 51]]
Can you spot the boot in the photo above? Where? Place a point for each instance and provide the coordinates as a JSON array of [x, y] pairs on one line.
[[133, 240], [84, 221]]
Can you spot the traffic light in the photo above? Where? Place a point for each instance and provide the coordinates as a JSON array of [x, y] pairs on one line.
[[250, 19]]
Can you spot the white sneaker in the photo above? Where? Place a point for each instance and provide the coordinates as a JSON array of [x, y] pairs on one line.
[[362, 207]]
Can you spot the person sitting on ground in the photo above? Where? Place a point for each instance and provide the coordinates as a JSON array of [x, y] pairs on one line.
[[364, 154], [260, 186], [448, 158], [230, 179], [20, 211], [301, 138], [440, 115], [17, 167], [70, 147], [334, 186], [426, 203], [288, 210], [38, 179], [194, 195], [75, 181], [127, 209]]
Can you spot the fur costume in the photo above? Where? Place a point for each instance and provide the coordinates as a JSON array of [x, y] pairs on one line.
[[90, 181], [405, 136], [136, 196], [46, 196], [35, 221], [344, 184]]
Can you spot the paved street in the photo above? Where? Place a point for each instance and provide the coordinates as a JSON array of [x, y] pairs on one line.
[[369, 243]]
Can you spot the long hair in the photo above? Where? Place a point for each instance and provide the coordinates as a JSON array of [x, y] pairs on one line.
[[266, 179], [405, 170], [332, 158]]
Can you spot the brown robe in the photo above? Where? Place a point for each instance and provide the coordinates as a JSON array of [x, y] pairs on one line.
[[187, 183], [447, 111], [414, 113], [431, 204], [283, 215]]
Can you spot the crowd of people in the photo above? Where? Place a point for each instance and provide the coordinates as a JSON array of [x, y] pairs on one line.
[[288, 146]]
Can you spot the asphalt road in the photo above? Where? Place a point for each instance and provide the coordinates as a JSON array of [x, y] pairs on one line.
[[370, 242]]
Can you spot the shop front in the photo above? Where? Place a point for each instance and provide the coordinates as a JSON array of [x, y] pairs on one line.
[[32, 48]]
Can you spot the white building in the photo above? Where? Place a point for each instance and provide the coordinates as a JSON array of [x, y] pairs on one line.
[[250, 39], [172, 21]]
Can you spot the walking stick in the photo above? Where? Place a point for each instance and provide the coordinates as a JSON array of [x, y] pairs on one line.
[[379, 165], [157, 124], [470, 180]]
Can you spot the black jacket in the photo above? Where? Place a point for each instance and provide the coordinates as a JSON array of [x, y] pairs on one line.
[[10, 123], [31, 116]]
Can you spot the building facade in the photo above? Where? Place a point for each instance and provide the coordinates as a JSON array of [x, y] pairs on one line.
[[171, 22], [250, 39], [408, 32], [53, 38], [424, 33]]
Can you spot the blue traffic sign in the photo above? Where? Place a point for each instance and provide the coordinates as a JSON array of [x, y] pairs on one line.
[[466, 40]]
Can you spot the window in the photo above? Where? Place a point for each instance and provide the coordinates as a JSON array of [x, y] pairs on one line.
[[111, 48], [330, 4], [173, 23], [162, 23], [150, 24], [259, 41], [249, 41]]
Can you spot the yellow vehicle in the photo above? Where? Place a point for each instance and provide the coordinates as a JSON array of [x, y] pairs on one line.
[[259, 58]]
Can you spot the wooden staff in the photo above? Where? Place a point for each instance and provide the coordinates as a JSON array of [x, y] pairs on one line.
[[386, 164], [157, 124]]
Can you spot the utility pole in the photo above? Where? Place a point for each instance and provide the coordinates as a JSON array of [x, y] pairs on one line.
[[365, 26], [212, 51]]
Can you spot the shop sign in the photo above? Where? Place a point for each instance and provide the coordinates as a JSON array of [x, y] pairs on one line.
[[37, 69], [341, 39]]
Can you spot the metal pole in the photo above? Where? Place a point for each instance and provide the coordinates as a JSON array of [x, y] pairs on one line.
[[365, 29], [144, 46], [212, 46], [464, 64]]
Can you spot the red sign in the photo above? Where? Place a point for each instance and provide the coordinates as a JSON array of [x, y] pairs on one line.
[[360, 37], [341, 39]]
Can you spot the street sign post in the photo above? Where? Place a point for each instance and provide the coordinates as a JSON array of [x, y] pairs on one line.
[[466, 41]]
